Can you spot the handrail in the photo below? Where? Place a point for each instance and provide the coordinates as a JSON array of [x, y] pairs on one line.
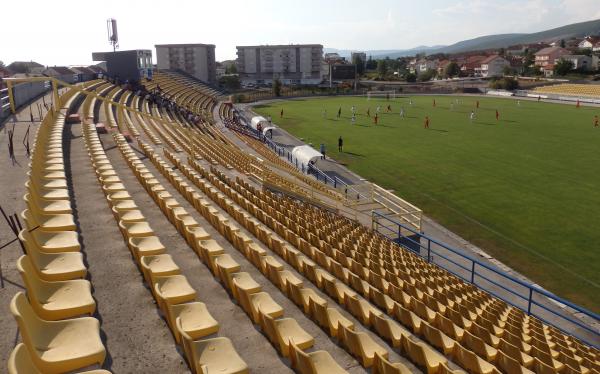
[[530, 289]]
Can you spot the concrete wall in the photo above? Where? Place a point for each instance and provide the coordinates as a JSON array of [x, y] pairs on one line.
[[23, 94]]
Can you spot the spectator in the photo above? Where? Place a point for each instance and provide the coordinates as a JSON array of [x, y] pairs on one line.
[[322, 151]]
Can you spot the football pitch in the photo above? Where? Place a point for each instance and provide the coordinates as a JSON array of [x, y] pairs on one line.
[[525, 188]]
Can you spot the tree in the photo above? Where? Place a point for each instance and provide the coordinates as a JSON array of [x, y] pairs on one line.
[[230, 82], [428, 75], [411, 77], [277, 87], [371, 64], [360, 64], [562, 67], [507, 70], [562, 43], [382, 68], [505, 83], [452, 70], [231, 69]]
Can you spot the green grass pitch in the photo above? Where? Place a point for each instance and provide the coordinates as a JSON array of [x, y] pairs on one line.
[[525, 188]]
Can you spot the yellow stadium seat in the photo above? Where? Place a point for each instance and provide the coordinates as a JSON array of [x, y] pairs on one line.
[[51, 242], [362, 346], [158, 265], [58, 346], [281, 332], [252, 301], [215, 355], [510, 365], [191, 318], [56, 300], [317, 362], [389, 329], [21, 362], [469, 360], [423, 355], [381, 365], [172, 289]]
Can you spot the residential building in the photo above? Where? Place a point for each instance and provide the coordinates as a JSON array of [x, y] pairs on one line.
[[516, 64], [26, 67], [83, 73], [423, 65], [361, 55], [589, 42], [291, 64], [493, 66], [580, 62], [62, 73], [472, 65], [549, 55], [441, 68], [198, 60], [334, 58]]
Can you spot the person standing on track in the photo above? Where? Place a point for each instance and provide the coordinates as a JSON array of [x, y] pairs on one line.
[[340, 144], [426, 124]]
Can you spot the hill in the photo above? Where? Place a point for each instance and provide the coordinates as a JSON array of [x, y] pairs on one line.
[[580, 29]]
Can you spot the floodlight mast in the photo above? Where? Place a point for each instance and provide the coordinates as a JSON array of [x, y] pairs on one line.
[[113, 36]]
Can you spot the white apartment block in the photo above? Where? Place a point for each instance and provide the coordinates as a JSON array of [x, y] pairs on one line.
[[197, 60], [291, 64]]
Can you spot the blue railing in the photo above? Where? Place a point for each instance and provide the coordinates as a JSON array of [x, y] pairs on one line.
[[535, 301]]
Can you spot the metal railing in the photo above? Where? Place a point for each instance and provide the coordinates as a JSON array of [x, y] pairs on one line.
[[530, 298]]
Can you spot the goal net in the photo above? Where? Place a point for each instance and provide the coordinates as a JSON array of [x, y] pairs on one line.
[[391, 94]]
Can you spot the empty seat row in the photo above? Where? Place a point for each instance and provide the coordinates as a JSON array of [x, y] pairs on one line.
[[54, 315], [189, 320]]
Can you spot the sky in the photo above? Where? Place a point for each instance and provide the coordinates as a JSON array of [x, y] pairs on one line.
[[68, 31]]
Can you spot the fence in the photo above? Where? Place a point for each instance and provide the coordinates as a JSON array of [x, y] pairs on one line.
[[535, 301], [23, 93]]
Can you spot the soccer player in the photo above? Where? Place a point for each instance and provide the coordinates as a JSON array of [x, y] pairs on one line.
[[518, 102], [410, 102], [497, 115], [577, 106], [402, 112], [340, 144], [539, 98], [281, 114], [426, 122], [434, 103], [378, 109], [353, 119], [376, 118], [389, 108], [339, 112], [477, 104], [353, 109], [596, 123], [472, 116], [369, 112]]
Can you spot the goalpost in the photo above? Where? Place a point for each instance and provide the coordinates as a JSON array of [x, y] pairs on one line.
[[390, 94]]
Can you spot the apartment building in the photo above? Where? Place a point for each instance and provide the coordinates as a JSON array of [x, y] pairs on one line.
[[291, 64], [197, 60]]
